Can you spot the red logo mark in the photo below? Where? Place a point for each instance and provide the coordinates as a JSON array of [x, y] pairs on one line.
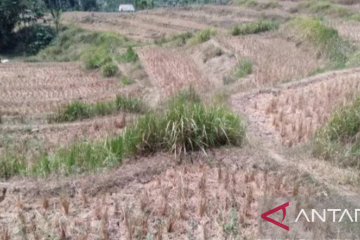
[[283, 208]]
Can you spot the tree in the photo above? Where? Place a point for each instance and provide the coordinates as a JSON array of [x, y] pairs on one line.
[[18, 12]]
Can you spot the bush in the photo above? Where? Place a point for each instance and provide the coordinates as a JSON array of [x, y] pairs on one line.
[[338, 140], [243, 68], [109, 69], [32, 39], [253, 27]]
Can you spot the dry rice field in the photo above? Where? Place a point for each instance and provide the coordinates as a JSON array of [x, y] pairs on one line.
[[207, 196]]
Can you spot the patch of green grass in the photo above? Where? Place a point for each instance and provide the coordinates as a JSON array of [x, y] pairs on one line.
[[130, 56], [79, 110], [258, 5], [253, 27], [355, 17], [95, 49], [185, 125], [203, 36], [338, 140], [127, 81], [324, 38], [248, 3], [243, 68], [325, 8]]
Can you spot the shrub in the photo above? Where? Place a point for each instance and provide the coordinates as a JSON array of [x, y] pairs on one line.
[[253, 27], [243, 68], [32, 39], [338, 140], [109, 69]]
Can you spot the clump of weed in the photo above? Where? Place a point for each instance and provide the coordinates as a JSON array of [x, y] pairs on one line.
[[109, 69], [127, 81], [253, 27], [258, 5], [203, 36], [243, 68], [338, 140], [129, 56]]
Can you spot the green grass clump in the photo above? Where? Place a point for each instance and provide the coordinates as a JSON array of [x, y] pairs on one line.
[[243, 68], [127, 81], [186, 124], [79, 110], [325, 39], [253, 27], [202, 36], [338, 140], [129, 56], [355, 17], [109, 69]]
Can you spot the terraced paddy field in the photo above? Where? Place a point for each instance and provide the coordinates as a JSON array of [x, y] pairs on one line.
[[169, 123]]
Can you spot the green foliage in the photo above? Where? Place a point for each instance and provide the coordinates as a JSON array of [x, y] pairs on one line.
[[203, 36], [325, 38], [127, 81], [253, 27], [31, 40], [248, 3], [14, 14], [243, 68], [109, 69], [129, 56], [355, 17], [338, 140], [324, 7], [79, 110]]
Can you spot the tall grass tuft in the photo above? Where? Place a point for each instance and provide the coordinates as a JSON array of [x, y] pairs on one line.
[[243, 68], [339, 139]]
